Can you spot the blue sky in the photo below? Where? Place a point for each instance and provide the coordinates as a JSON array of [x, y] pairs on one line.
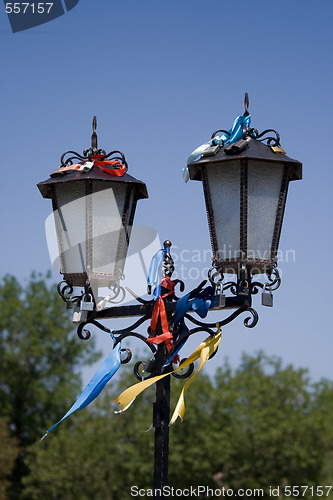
[[161, 76]]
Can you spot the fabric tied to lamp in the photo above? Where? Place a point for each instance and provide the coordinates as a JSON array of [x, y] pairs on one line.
[[226, 138], [197, 300], [96, 384], [112, 167], [204, 351]]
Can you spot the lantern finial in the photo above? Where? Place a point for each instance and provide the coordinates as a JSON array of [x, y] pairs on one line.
[[94, 135], [246, 104]]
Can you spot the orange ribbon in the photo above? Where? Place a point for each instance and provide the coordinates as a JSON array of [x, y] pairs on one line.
[[112, 167], [159, 311]]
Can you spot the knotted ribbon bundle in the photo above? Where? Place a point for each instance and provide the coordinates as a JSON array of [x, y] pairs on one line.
[[234, 134], [159, 312], [203, 351], [112, 167]]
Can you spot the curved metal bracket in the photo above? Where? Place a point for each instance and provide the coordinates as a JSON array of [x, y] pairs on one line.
[[86, 335], [65, 291], [230, 318], [273, 283], [271, 141]]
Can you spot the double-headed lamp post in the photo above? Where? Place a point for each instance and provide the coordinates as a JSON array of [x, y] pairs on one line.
[[245, 185]]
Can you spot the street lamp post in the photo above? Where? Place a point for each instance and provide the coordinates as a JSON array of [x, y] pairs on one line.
[[245, 186]]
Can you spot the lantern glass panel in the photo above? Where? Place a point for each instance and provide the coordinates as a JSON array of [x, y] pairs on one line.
[[70, 222], [224, 188], [91, 221], [109, 237], [264, 186]]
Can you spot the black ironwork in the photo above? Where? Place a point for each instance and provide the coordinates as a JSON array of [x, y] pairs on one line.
[[251, 132], [246, 104], [216, 277], [280, 211], [159, 356], [240, 300], [93, 150], [271, 141], [87, 154], [241, 290], [210, 211], [168, 263], [243, 205], [273, 283]]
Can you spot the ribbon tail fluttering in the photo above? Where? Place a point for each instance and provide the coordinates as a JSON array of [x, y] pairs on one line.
[[205, 354], [209, 346], [96, 384]]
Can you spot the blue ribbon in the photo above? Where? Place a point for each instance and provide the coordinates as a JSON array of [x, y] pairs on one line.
[[155, 272], [200, 303], [96, 384], [234, 134]]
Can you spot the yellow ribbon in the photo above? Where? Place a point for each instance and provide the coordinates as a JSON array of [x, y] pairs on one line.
[[203, 351]]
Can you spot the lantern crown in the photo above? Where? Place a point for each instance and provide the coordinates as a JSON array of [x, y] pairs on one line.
[[93, 164], [240, 142]]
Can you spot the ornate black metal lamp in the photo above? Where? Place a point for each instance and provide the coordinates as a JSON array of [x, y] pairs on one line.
[[245, 185], [94, 202]]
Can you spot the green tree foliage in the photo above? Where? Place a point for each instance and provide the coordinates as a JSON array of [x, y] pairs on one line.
[[324, 412], [259, 426], [262, 428], [40, 356], [95, 454], [9, 451]]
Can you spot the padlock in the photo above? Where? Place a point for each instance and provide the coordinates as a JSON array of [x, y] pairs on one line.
[[101, 301], [211, 151], [243, 288], [219, 293], [86, 166], [87, 303], [278, 150], [79, 316], [267, 297]]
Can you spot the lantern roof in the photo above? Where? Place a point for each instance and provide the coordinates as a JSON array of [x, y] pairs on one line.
[[95, 173], [248, 148]]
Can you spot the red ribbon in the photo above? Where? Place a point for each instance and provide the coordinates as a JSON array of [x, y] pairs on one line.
[[112, 167], [119, 171], [159, 311]]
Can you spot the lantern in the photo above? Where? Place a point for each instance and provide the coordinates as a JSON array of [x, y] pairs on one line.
[[94, 203], [245, 187]]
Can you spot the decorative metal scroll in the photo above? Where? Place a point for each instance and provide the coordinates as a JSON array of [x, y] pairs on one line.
[[93, 150], [252, 132], [216, 277], [146, 369]]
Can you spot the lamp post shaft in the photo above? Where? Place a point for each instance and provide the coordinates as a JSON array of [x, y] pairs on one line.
[[161, 417]]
